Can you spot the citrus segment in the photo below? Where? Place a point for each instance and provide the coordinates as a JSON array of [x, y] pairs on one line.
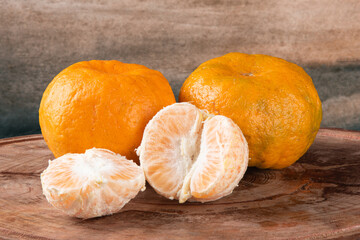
[[170, 136], [222, 160], [96, 183], [188, 154]]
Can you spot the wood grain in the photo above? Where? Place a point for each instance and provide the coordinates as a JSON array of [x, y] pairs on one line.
[[38, 39], [316, 198]]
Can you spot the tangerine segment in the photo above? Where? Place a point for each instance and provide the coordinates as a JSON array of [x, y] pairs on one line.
[[185, 157], [222, 161], [168, 147], [96, 183]]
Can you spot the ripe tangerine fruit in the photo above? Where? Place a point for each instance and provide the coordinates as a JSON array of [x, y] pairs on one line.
[[103, 104], [188, 154], [95, 183], [273, 101]]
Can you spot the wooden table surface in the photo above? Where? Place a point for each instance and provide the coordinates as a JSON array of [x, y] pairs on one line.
[[316, 198]]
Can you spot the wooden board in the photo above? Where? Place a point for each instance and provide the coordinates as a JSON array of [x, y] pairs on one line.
[[318, 197]]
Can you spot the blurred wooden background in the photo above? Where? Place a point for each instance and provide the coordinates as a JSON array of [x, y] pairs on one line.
[[40, 38]]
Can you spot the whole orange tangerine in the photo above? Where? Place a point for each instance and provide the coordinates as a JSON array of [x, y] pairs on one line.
[[274, 102], [102, 104]]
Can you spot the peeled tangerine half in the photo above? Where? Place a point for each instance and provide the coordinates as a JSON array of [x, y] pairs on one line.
[[188, 154], [96, 183]]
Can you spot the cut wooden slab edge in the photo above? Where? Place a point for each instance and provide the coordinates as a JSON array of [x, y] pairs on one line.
[[9, 140], [339, 133], [331, 132]]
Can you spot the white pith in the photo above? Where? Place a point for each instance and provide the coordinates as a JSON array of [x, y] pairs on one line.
[[189, 156], [92, 170]]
